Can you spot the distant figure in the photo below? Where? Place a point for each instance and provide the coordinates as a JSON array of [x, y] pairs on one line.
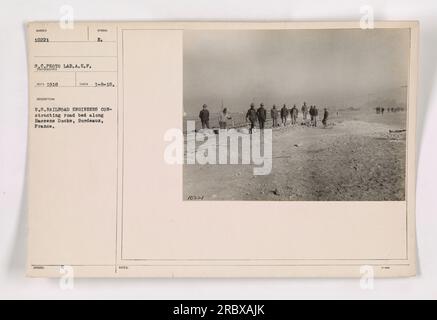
[[304, 111], [284, 115], [204, 117], [382, 111], [262, 116], [224, 116], [314, 114], [251, 116], [294, 112], [325, 117], [311, 114], [378, 110], [274, 113]]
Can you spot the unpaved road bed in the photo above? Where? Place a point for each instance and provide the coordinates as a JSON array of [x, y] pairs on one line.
[[353, 160]]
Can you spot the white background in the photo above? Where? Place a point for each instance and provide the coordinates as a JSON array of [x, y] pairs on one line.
[[13, 137]]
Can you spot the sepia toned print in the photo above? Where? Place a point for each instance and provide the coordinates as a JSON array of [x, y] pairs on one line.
[[139, 133], [334, 103]]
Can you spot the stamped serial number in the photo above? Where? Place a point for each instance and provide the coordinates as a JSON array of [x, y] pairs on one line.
[[195, 198]]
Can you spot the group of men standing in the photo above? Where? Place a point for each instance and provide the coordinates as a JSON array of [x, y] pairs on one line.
[[314, 114], [260, 115], [253, 116], [284, 112]]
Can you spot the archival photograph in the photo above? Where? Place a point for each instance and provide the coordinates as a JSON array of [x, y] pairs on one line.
[[295, 115]]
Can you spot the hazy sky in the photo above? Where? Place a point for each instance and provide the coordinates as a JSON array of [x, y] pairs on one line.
[[323, 67]]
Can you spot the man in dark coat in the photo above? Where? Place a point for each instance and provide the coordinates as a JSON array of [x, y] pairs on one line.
[[204, 117], [251, 116], [325, 117], [316, 114], [312, 114], [284, 115], [262, 116], [275, 115]]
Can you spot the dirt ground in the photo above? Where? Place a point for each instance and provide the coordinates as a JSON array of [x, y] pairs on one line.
[[355, 158]]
